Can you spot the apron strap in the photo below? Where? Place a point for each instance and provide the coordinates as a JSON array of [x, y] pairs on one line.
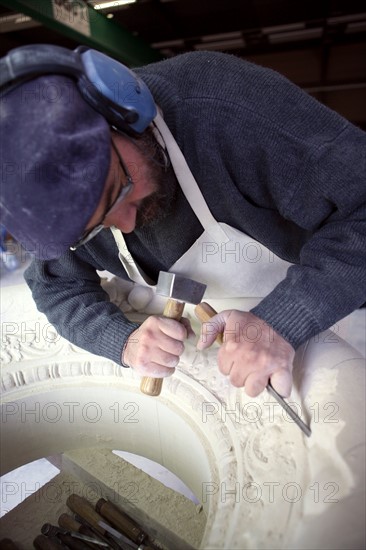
[[133, 270], [191, 191], [188, 183]]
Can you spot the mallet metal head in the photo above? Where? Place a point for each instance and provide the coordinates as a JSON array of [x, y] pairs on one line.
[[180, 288]]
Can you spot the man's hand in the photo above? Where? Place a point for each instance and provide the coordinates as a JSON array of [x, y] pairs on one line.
[[252, 353], [155, 347]]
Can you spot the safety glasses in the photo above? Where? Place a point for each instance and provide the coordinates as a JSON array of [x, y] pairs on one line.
[[126, 187]]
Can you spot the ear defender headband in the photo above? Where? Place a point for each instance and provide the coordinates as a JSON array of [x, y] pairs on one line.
[[118, 94]]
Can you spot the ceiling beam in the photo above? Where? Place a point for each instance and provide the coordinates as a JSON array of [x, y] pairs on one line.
[[85, 25]]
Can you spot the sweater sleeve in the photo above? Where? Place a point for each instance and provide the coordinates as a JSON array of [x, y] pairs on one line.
[[69, 293], [291, 169], [329, 282]]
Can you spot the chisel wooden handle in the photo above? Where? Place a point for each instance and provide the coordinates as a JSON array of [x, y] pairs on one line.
[[85, 510], [120, 520], [204, 313], [152, 386], [69, 541], [68, 522]]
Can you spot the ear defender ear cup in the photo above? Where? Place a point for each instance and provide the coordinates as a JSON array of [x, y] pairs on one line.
[[115, 91], [112, 89]]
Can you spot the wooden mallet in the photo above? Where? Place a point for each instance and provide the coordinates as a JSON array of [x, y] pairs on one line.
[[179, 290]]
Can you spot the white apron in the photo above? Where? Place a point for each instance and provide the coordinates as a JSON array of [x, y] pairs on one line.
[[237, 269]]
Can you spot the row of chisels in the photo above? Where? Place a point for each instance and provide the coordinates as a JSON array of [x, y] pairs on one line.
[[103, 526]]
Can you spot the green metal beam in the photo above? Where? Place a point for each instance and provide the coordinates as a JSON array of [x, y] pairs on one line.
[[105, 34]]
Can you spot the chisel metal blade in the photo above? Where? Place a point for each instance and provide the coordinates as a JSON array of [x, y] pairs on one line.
[[204, 312], [295, 417]]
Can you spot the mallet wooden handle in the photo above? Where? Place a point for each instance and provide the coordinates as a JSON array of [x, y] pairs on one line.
[[204, 312], [152, 386]]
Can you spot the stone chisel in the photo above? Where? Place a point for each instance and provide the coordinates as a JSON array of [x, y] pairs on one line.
[[178, 290], [86, 513], [204, 313], [124, 524], [66, 521], [120, 520], [52, 530], [112, 543]]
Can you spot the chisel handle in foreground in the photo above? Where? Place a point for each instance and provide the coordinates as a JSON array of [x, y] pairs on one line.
[[120, 520], [84, 509], [204, 313], [152, 386], [66, 521]]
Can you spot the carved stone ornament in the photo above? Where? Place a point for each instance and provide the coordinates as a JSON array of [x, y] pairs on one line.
[[262, 483]]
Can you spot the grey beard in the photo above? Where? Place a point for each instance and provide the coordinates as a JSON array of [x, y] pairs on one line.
[[160, 204], [157, 206]]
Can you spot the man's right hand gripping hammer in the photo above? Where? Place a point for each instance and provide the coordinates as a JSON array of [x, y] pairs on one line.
[[155, 348]]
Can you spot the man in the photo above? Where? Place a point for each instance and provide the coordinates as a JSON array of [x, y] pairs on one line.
[[272, 169]]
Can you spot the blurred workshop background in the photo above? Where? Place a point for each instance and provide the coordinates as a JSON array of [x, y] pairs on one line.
[[319, 45]]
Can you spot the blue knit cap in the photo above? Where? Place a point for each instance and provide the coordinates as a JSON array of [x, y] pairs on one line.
[[55, 156]]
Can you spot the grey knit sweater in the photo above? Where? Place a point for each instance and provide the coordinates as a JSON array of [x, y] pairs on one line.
[[271, 162]]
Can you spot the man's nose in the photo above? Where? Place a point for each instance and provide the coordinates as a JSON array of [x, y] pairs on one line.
[[124, 218]]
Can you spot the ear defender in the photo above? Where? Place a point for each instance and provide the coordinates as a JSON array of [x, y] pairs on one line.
[[112, 89]]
